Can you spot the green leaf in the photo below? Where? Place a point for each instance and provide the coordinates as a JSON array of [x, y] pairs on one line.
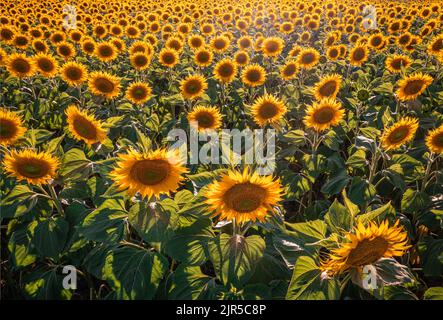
[[19, 201], [379, 213], [338, 218], [45, 285], [414, 201], [75, 165], [361, 191], [335, 184], [189, 283], [357, 159], [50, 236], [434, 293], [20, 247]]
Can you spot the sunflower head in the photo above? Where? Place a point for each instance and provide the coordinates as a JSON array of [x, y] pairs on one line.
[[104, 84], [225, 70], [241, 58], [434, 140], [323, 115], [84, 126], [220, 44], [253, 75], [106, 51], [243, 196], [11, 127], [150, 174], [28, 165], [308, 58], [358, 55], [139, 92], [397, 62], [400, 133], [203, 57], [193, 86], [140, 60], [268, 109], [272, 47], [410, 87], [168, 57], [46, 64], [74, 73], [289, 70], [327, 87], [20, 66], [205, 118]]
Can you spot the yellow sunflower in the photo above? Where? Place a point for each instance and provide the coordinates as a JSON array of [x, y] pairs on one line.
[[289, 70], [323, 115], [366, 245], [74, 73], [140, 60], [253, 75], [11, 127], [168, 57], [225, 70], [106, 51], [435, 46], [396, 62], [308, 58], [205, 118], [150, 174], [410, 87], [327, 87], [46, 65], [243, 196], [104, 84], [35, 168], [193, 86], [241, 58], [220, 44], [400, 133], [358, 55], [20, 66], [272, 47], [139, 92], [84, 126], [268, 109], [434, 140]]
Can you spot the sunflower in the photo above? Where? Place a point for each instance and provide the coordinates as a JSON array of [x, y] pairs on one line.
[[46, 65], [39, 46], [410, 87], [74, 73], [168, 57], [272, 47], [366, 245], [397, 62], [66, 50], [220, 44], [140, 60], [327, 87], [196, 41], [243, 196], [11, 127], [88, 46], [358, 55], [253, 75], [400, 133], [106, 51], [225, 70], [333, 52], [435, 46], [35, 168], [193, 86], [205, 118], [138, 92], [20, 41], [151, 174], [377, 41], [104, 84], [434, 140], [241, 58], [203, 57], [245, 42], [323, 115], [84, 126], [268, 109], [289, 70], [308, 58], [20, 66]]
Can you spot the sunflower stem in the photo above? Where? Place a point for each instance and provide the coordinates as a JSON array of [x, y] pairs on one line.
[[57, 202], [427, 172]]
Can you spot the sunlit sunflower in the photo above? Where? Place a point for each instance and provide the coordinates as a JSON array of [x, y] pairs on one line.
[[289, 70], [272, 47], [435, 46], [193, 86], [333, 52], [150, 174], [46, 65], [434, 140], [84, 126], [366, 245], [323, 115], [410, 87], [308, 58], [220, 44], [243, 196], [203, 57], [253, 75], [268, 109], [74, 73], [327, 87], [11, 127], [28, 165], [20, 66], [168, 57], [225, 70], [196, 41], [205, 118], [399, 133], [396, 62], [104, 84], [358, 55], [140, 60], [241, 58], [106, 51], [138, 92], [66, 50], [88, 45]]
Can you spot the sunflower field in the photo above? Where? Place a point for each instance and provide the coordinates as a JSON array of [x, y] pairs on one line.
[[90, 186]]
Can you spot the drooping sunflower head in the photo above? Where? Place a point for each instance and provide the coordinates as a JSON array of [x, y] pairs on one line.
[[46, 64], [150, 174], [225, 70], [203, 57], [410, 87], [20, 66], [168, 57], [289, 70], [434, 140], [253, 75], [193, 86], [31, 166], [327, 87], [268, 109], [366, 245], [138, 92], [104, 84], [106, 51], [308, 58], [323, 115], [74, 73], [243, 196], [205, 118], [358, 55], [83, 126], [396, 62], [11, 127], [272, 47], [400, 133]]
